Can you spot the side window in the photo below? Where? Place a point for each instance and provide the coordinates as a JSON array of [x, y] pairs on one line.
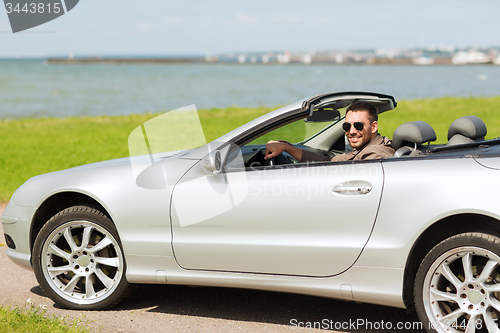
[[293, 133]]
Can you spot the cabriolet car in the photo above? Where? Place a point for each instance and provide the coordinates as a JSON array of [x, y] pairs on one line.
[[417, 230]]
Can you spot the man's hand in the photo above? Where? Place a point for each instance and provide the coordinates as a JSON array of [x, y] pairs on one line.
[[274, 148]]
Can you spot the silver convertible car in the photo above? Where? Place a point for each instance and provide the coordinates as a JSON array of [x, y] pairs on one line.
[[416, 230]]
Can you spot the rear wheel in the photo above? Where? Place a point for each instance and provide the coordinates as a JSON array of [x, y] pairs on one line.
[[457, 288], [78, 260]]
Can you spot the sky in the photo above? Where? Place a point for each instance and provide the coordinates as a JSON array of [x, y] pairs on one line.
[[180, 28]]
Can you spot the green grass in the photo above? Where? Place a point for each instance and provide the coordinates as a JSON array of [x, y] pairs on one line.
[[35, 146], [440, 113], [34, 320]]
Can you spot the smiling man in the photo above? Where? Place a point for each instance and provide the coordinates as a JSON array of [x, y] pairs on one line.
[[361, 129]]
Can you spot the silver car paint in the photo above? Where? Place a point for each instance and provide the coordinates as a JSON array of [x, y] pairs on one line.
[[142, 219], [410, 186], [290, 221], [491, 162], [433, 188], [368, 284], [382, 259], [20, 231]]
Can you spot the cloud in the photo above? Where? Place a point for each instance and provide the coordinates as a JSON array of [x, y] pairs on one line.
[[246, 18], [143, 26], [170, 20], [286, 18]]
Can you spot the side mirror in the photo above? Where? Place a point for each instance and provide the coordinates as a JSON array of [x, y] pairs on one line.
[[323, 115], [212, 163]]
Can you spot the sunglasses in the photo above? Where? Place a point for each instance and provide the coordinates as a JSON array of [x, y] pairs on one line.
[[357, 125]]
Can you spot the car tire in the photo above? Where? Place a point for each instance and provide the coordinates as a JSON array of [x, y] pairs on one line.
[[457, 286], [78, 260]]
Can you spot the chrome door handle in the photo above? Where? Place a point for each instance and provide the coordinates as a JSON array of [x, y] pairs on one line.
[[364, 190], [356, 187]]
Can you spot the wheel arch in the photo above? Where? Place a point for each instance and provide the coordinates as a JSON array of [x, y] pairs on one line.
[[56, 203], [433, 235]]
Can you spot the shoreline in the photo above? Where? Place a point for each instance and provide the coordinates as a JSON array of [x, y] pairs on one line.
[[226, 108], [374, 62], [232, 62], [131, 60]]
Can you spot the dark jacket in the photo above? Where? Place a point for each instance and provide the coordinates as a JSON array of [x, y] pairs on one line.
[[379, 147]]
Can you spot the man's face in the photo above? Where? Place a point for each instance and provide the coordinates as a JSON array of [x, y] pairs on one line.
[[359, 138]]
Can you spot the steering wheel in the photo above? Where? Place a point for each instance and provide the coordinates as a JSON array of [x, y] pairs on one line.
[[270, 162], [281, 159]]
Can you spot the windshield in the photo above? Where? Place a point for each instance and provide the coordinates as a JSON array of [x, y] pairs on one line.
[[297, 132]]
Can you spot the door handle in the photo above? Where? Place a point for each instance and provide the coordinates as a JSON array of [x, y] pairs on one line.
[[365, 189], [356, 187]]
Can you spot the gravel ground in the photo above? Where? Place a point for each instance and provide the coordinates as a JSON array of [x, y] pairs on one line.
[[164, 308]]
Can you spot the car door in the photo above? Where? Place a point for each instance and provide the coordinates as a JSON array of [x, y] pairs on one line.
[[301, 219]]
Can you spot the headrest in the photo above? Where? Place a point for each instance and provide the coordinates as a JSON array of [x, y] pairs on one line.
[[414, 132], [469, 126]]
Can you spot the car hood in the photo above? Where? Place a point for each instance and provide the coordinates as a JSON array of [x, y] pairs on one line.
[[98, 179], [128, 160]]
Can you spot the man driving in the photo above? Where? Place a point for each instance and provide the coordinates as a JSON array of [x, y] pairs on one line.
[[361, 129]]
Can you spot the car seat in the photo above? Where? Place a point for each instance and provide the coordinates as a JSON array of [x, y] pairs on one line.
[[466, 129], [408, 138]]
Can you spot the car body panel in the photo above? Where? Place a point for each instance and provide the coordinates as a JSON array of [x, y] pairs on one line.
[[360, 281], [344, 230], [436, 189], [488, 158], [141, 214], [20, 231], [281, 221]]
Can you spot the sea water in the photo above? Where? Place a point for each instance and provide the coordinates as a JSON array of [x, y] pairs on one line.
[[36, 88]]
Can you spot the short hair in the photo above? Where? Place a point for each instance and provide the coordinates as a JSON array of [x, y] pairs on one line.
[[364, 106]]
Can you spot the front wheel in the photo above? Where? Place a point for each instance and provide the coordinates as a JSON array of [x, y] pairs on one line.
[[457, 287], [78, 260]]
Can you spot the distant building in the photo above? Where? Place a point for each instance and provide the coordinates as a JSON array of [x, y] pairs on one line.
[[284, 58], [442, 55], [423, 60], [470, 57], [306, 59]]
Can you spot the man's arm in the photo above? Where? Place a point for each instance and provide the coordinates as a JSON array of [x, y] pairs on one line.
[[308, 156], [274, 148]]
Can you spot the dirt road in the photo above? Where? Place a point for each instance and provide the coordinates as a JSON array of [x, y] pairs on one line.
[[164, 308]]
